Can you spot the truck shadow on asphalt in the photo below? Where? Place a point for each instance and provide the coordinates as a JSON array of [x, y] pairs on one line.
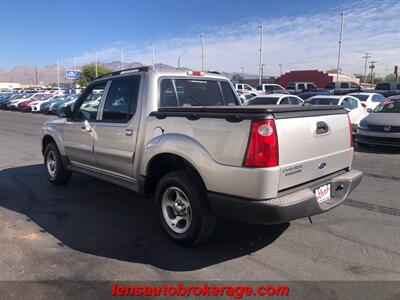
[[106, 220]]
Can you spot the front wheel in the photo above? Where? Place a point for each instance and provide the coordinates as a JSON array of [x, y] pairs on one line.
[[184, 210], [55, 171]]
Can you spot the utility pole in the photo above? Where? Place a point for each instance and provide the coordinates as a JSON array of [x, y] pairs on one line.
[[242, 71], [95, 58], [261, 47], [36, 75], [372, 67], [74, 63], [58, 75], [202, 51], [367, 56], [262, 72], [179, 59], [122, 58], [280, 67], [340, 46], [153, 60]]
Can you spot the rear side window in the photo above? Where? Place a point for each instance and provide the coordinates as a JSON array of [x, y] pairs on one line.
[[121, 100], [344, 85], [195, 92], [330, 85], [377, 98], [301, 86], [229, 96]]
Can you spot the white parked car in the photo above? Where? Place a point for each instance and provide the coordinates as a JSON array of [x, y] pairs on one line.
[[369, 100], [243, 87], [356, 110], [276, 99]]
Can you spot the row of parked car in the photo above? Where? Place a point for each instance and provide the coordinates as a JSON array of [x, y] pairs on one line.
[[375, 119], [36, 101]]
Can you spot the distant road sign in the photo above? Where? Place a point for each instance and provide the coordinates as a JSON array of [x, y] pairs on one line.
[[72, 74]]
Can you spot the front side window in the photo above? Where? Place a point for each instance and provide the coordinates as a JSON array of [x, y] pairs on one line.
[[285, 101], [291, 86], [121, 100], [354, 86], [330, 86], [294, 101], [388, 106], [301, 86], [90, 105]]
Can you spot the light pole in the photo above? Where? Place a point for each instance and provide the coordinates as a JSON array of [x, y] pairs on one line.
[[74, 63], [179, 59], [122, 58], [340, 46], [58, 75], [202, 51], [242, 72], [365, 65], [153, 60], [261, 46], [280, 67], [262, 71]]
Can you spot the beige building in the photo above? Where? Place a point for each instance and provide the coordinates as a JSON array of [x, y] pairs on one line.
[[9, 85]]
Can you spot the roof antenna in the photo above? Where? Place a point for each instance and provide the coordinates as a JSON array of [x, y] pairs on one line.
[[309, 218]]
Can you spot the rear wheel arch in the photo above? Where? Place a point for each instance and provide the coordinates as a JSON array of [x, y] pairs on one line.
[[46, 140], [162, 164]]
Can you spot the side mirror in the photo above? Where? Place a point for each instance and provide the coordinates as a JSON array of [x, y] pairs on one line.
[[369, 110], [347, 109], [65, 112]]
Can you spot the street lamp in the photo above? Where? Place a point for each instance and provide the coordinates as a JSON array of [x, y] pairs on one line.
[[179, 59]]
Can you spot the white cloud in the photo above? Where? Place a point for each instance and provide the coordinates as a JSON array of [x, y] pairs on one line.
[[302, 42]]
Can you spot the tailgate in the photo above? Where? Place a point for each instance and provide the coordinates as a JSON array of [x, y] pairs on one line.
[[306, 154]]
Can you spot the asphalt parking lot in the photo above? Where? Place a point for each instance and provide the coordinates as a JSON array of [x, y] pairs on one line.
[[93, 230]]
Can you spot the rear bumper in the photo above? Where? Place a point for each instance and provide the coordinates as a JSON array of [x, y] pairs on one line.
[[289, 206]]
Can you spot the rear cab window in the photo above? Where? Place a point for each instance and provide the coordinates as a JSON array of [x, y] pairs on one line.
[[195, 92]]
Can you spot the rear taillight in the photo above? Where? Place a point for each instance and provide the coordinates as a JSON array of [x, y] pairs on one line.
[[351, 131], [262, 149]]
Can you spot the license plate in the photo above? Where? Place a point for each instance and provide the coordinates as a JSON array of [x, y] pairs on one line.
[[323, 193]]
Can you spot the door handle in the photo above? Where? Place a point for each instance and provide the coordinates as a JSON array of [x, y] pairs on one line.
[[128, 132], [322, 128]]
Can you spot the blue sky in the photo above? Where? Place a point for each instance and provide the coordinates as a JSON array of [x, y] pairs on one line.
[[299, 34]]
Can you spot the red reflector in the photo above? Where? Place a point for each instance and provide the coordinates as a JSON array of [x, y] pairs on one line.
[[262, 150]]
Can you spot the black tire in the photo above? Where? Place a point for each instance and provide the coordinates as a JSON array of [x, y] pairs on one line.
[[60, 175], [203, 221]]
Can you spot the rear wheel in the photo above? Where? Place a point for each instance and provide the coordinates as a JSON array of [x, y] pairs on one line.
[[184, 210], [55, 171]]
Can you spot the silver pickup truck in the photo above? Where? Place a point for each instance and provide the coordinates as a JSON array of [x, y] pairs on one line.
[[181, 138]]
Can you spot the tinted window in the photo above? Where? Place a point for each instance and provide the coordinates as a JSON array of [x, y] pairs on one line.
[[264, 100], [311, 86], [90, 105], [167, 94], [195, 92], [246, 87], [240, 87], [121, 100], [294, 101], [344, 85], [301, 86], [377, 98], [291, 86], [383, 86], [388, 106], [354, 86], [330, 85], [324, 101], [227, 92], [361, 97], [259, 88], [285, 101], [353, 103]]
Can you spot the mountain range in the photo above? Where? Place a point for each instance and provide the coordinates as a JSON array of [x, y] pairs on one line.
[[48, 74]]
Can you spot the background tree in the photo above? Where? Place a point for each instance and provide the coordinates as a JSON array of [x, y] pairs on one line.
[[53, 84], [334, 71], [89, 73], [237, 77]]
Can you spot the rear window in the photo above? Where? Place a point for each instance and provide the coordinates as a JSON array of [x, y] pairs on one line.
[[264, 101], [330, 85], [324, 101], [383, 86], [388, 106], [361, 97], [195, 92]]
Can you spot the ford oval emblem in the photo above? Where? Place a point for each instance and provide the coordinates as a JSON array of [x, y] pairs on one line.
[[322, 166], [387, 127]]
